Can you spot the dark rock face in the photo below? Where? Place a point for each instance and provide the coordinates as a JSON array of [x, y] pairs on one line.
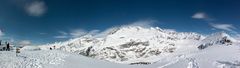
[[223, 41], [150, 43], [202, 46], [127, 51], [140, 63], [133, 43], [88, 50]]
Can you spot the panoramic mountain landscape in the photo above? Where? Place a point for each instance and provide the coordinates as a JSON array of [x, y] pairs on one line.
[[119, 34], [133, 47]]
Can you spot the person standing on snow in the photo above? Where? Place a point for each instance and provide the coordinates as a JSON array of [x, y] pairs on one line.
[[5, 46], [0, 42], [54, 47], [50, 48], [8, 47], [17, 51]]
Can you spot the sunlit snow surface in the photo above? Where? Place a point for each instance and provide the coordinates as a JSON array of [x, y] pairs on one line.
[[212, 57], [121, 47]]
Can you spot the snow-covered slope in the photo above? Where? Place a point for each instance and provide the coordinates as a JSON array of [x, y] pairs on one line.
[[30, 59], [31, 48], [159, 48], [131, 45], [220, 38], [137, 44], [213, 57]]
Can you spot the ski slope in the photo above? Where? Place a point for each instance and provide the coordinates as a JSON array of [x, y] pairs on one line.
[[31, 59], [217, 56], [131, 47], [53, 59]]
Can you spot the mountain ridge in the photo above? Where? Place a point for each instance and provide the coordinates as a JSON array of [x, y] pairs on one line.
[[134, 44]]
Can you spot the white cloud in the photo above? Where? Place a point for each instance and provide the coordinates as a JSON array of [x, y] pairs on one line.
[[63, 33], [75, 33], [1, 33], [36, 8], [61, 36], [97, 33], [143, 23], [78, 33], [200, 15], [227, 27], [106, 32], [94, 32], [24, 43]]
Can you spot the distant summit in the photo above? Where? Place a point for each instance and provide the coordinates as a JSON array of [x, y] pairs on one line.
[[219, 38], [136, 45]]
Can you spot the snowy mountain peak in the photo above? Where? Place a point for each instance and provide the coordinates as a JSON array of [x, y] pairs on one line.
[[128, 44], [219, 38], [136, 45]]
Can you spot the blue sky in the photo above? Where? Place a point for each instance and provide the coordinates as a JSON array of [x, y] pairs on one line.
[[47, 21]]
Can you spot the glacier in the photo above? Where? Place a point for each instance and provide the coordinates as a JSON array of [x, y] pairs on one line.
[[132, 47]]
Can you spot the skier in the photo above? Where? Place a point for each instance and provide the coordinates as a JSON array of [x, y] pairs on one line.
[[1, 48], [0, 42], [8, 47], [54, 47], [17, 51], [4, 48], [50, 48]]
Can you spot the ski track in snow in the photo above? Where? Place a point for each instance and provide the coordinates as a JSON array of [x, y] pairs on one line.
[[173, 62], [33, 59], [52, 59], [226, 64], [192, 63]]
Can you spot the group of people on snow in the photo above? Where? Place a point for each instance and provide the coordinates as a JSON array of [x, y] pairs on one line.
[[4, 48], [7, 47], [54, 47]]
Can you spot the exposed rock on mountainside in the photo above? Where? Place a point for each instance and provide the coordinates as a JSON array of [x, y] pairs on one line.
[[220, 38], [134, 45]]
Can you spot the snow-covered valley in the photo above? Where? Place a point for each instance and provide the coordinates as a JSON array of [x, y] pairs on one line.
[[214, 57], [132, 47]]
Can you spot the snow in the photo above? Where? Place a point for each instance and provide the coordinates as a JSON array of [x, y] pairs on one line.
[[31, 48], [214, 57], [30, 59], [131, 47], [127, 44]]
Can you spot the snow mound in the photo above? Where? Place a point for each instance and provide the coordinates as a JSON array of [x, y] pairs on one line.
[[31, 48]]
